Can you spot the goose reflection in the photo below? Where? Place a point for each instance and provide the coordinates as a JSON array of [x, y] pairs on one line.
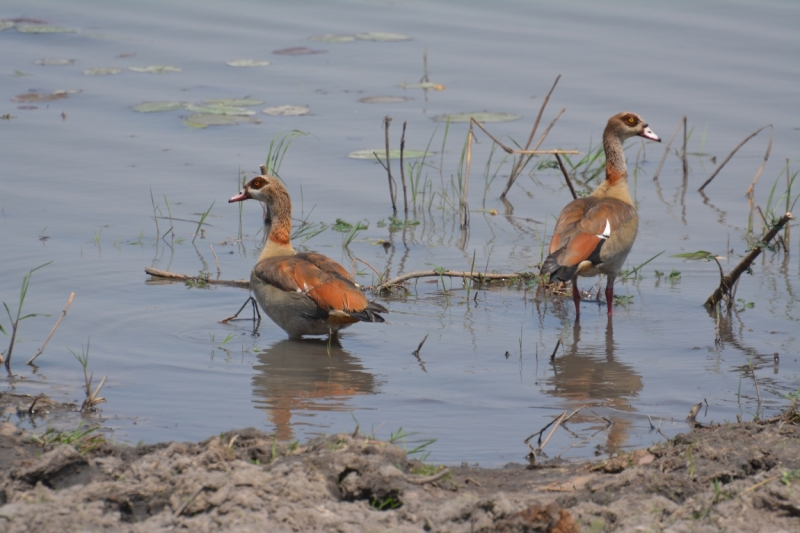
[[589, 375], [303, 377]]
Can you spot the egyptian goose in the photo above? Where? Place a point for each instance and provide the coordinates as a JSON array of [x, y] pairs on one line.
[[594, 234], [303, 293]]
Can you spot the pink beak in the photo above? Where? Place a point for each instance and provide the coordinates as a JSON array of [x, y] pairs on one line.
[[647, 133], [241, 197]]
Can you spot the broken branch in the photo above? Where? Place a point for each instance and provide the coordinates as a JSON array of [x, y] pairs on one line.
[[728, 281]]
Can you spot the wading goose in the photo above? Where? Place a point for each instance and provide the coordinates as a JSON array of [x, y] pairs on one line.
[[594, 234], [303, 293]]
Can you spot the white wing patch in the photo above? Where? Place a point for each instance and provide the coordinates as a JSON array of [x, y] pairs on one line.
[[606, 232]]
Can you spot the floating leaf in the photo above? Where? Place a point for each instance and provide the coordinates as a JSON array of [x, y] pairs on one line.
[[379, 36], [481, 116], [239, 102], [287, 110], [393, 154], [41, 97], [155, 107], [297, 51], [219, 120], [6, 24], [194, 125], [43, 29], [54, 62], [696, 256], [382, 99], [246, 63], [332, 38], [156, 69], [423, 85], [219, 110], [102, 71]]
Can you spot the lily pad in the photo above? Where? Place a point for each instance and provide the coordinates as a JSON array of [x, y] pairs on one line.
[[54, 62], [202, 120], [423, 85], [156, 69], [41, 97], [481, 116], [6, 24], [382, 99], [102, 71], [297, 51], [219, 110], [393, 154], [194, 125], [35, 28], [287, 110], [156, 107], [332, 38], [240, 102], [379, 36], [249, 63]]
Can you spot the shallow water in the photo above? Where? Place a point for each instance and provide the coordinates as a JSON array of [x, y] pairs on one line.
[[76, 190]]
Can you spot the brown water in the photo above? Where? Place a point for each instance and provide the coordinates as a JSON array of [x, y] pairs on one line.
[[78, 172]]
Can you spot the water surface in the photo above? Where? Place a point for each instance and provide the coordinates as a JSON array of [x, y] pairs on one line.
[[78, 174]]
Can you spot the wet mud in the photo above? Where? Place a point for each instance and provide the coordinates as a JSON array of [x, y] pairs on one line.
[[732, 477]]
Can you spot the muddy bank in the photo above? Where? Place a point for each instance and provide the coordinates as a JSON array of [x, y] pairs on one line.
[[734, 477]]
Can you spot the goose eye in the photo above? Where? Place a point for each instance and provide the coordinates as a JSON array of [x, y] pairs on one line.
[[631, 120]]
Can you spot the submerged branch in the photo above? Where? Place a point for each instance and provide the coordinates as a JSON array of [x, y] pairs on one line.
[[450, 274], [172, 276], [728, 281]]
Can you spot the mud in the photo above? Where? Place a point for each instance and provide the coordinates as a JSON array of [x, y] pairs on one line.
[[736, 477]]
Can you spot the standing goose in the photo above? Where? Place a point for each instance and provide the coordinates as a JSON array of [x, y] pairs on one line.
[[303, 293], [594, 234]]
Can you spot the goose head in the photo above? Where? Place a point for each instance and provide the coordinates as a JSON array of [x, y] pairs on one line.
[[264, 188], [626, 124], [270, 191]]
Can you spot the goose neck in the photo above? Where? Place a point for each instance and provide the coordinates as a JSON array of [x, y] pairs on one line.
[[615, 157], [280, 229]]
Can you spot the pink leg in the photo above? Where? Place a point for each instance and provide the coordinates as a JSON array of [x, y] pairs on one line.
[[610, 297], [576, 297]]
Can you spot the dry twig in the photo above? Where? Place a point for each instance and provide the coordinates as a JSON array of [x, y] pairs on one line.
[[667, 147], [555, 350], [60, 318], [402, 170], [380, 276], [519, 164], [421, 480], [714, 174], [392, 184], [216, 260], [416, 352], [566, 176], [465, 186], [749, 193]]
